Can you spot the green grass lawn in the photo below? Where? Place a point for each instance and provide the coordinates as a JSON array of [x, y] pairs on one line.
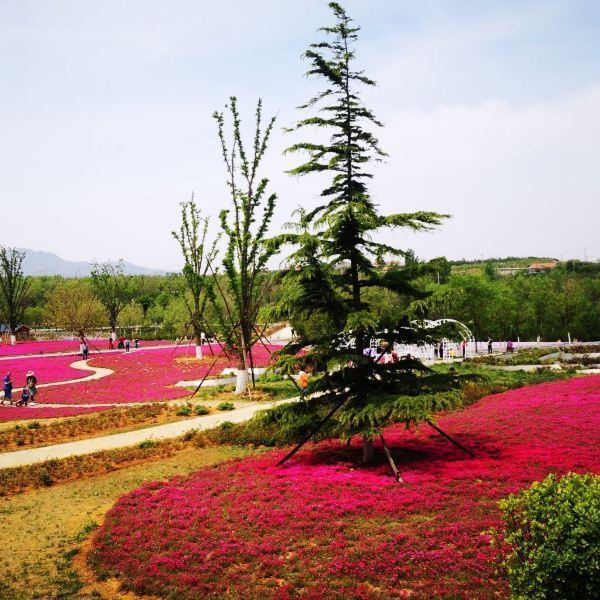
[[37, 528]]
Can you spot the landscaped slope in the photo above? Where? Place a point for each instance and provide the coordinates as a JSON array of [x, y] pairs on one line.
[[324, 527]]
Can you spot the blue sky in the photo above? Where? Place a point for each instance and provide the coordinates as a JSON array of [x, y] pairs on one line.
[[492, 113]]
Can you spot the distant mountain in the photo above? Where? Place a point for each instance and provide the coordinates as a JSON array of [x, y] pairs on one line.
[[38, 262]]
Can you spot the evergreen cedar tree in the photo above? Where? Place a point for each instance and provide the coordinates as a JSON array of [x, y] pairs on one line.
[[242, 291], [198, 255], [335, 259], [13, 287]]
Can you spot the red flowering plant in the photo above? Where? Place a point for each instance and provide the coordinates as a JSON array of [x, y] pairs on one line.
[[325, 527], [142, 376]]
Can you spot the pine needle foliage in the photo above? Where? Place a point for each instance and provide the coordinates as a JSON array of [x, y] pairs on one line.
[[349, 221], [245, 283], [337, 257]]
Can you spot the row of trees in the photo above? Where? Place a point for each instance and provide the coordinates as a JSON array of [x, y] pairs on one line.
[[340, 289], [72, 305], [550, 306]]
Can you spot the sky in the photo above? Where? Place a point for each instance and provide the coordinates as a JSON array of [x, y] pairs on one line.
[[491, 113]]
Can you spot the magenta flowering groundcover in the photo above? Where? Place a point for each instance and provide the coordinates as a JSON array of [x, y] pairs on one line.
[[144, 376], [20, 413], [323, 527], [46, 347], [47, 369]]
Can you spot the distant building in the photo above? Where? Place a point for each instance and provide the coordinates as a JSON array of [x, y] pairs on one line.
[[541, 267], [22, 333], [532, 269]]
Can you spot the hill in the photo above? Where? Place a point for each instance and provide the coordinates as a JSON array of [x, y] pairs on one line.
[[38, 262]]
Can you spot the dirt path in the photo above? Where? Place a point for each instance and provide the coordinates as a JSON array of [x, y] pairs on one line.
[[131, 438]]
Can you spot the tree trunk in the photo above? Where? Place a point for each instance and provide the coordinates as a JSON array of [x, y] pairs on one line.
[[367, 448], [241, 383], [198, 340]]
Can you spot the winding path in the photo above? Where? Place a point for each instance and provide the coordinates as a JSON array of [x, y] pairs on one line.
[[97, 373], [132, 438]]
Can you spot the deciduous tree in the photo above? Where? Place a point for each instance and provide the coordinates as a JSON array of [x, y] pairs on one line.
[[110, 285], [73, 307], [198, 255], [13, 287], [245, 225]]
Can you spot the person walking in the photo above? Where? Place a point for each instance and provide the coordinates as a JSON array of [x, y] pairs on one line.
[[127, 345], [31, 385], [85, 351], [7, 381], [490, 343], [111, 344]]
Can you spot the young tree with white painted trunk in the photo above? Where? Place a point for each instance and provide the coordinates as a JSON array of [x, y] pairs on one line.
[[242, 289], [198, 256]]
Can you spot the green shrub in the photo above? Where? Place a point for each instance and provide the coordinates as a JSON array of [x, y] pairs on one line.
[[552, 537], [226, 406], [46, 479], [184, 410], [145, 444], [34, 425], [188, 436], [271, 376], [201, 410]]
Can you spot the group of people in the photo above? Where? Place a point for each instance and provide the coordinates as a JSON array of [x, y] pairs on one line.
[[123, 343], [28, 394], [447, 351]]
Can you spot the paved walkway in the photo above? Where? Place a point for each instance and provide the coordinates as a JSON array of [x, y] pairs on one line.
[[132, 438]]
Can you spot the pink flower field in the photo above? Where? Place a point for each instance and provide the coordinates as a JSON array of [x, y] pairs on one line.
[[48, 369], [141, 376], [20, 413], [66, 345], [324, 527]]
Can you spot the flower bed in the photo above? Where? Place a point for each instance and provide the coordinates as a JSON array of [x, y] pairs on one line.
[[142, 376], [65, 345], [48, 369], [20, 413], [323, 527]]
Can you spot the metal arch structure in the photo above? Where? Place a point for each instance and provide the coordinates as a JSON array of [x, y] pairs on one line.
[[464, 332]]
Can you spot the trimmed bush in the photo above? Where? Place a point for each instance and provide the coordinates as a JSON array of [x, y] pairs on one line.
[[552, 537], [145, 444], [226, 406], [201, 410]]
